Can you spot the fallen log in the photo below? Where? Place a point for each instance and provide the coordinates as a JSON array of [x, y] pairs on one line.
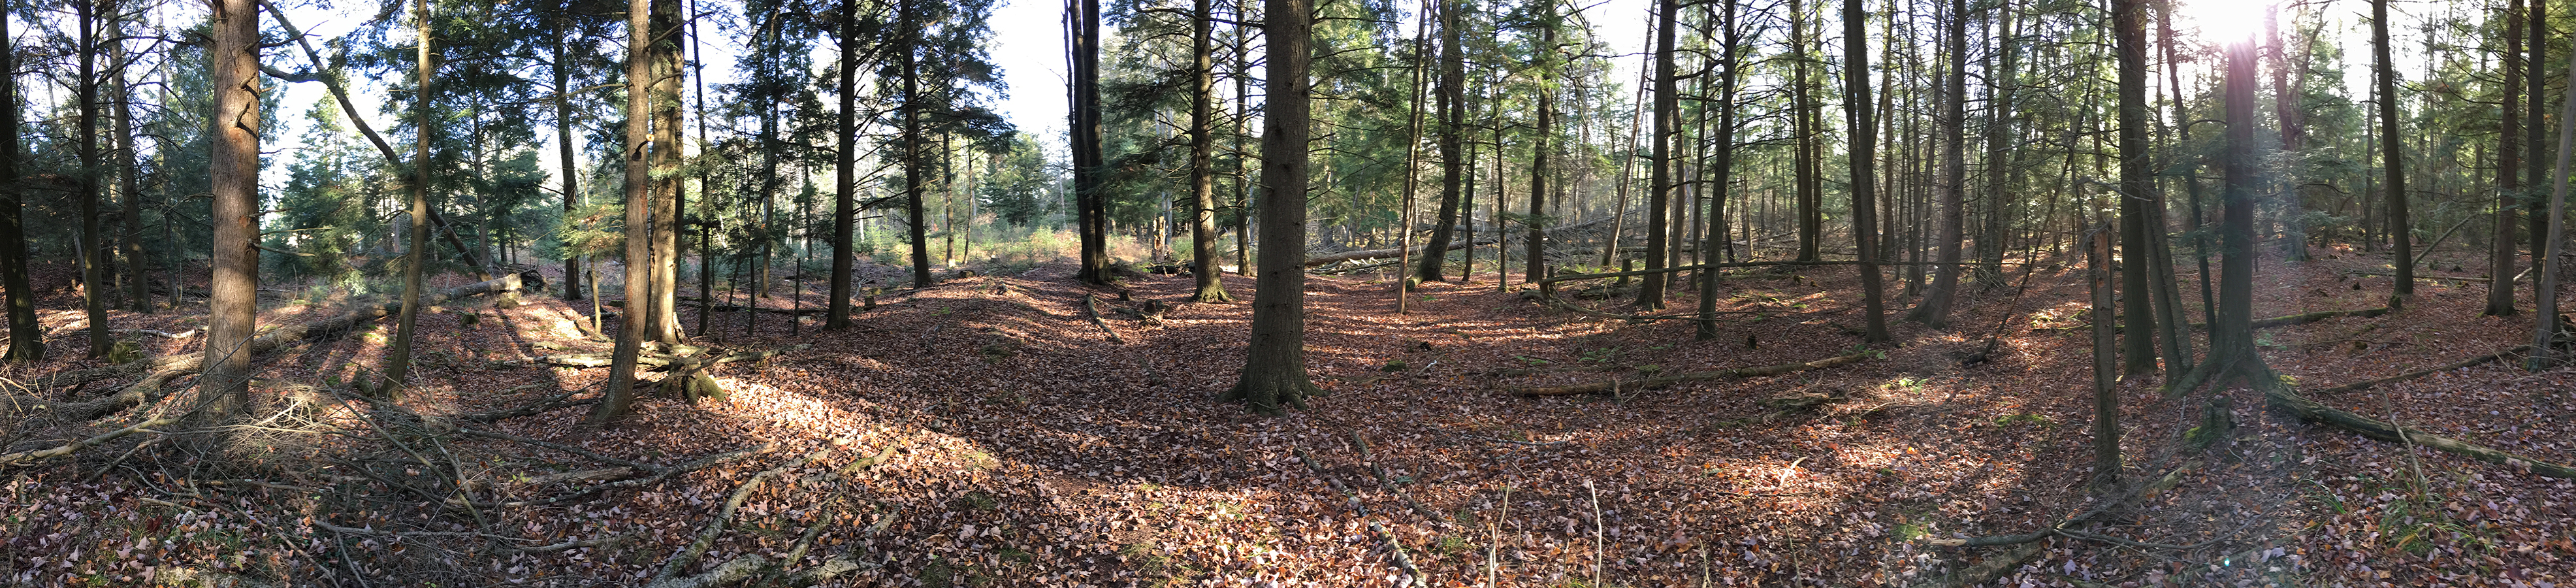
[[2482, 359], [660, 360], [1661, 381], [2310, 317], [2287, 398], [33, 455], [1316, 260]]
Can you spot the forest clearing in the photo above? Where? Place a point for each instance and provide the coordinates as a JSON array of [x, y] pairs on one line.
[[987, 432]]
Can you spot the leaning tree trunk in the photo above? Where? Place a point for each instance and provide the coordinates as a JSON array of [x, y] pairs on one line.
[[398, 360], [1720, 167], [1274, 370], [138, 281]]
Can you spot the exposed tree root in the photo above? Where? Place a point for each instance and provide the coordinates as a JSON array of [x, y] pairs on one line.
[[2028, 545], [1661, 381], [1267, 397], [1091, 305]]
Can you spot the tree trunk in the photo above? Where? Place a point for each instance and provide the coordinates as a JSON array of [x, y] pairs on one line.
[[2231, 335], [129, 199], [2106, 400], [2534, 126], [26, 338], [93, 237], [1935, 309], [233, 61], [1413, 146], [669, 189], [2509, 196], [1453, 134], [1093, 217], [2000, 85], [1721, 166], [845, 162], [1274, 370], [398, 360], [915, 171], [571, 173], [2138, 233], [1810, 155], [1203, 255], [2392, 161], [1534, 264], [634, 328], [2545, 330], [1863, 159], [1650, 290]]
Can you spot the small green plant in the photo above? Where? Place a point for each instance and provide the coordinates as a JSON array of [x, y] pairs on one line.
[[2037, 420], [1602, 355], [1449, 545], [1650, 369], [1531, 360], [1910, 531]]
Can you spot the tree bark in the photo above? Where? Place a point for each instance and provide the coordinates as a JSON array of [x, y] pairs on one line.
[[1453, 134], [1274, 371], [845, 164], [2140, 234], [1203, 255], [1665, 175], [633, 329], [234, 164], [398, 360], [1935, 308], [1092, 218]]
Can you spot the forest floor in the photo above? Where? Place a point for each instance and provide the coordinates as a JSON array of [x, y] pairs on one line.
[[985, 432]]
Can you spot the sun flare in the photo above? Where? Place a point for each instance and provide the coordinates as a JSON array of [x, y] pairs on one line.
[[2223, 21]]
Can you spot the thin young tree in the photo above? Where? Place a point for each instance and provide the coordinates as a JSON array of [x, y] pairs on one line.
[[1721, 161], [1274, 369], [1863, 128], [233, 62], [398, 360]]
